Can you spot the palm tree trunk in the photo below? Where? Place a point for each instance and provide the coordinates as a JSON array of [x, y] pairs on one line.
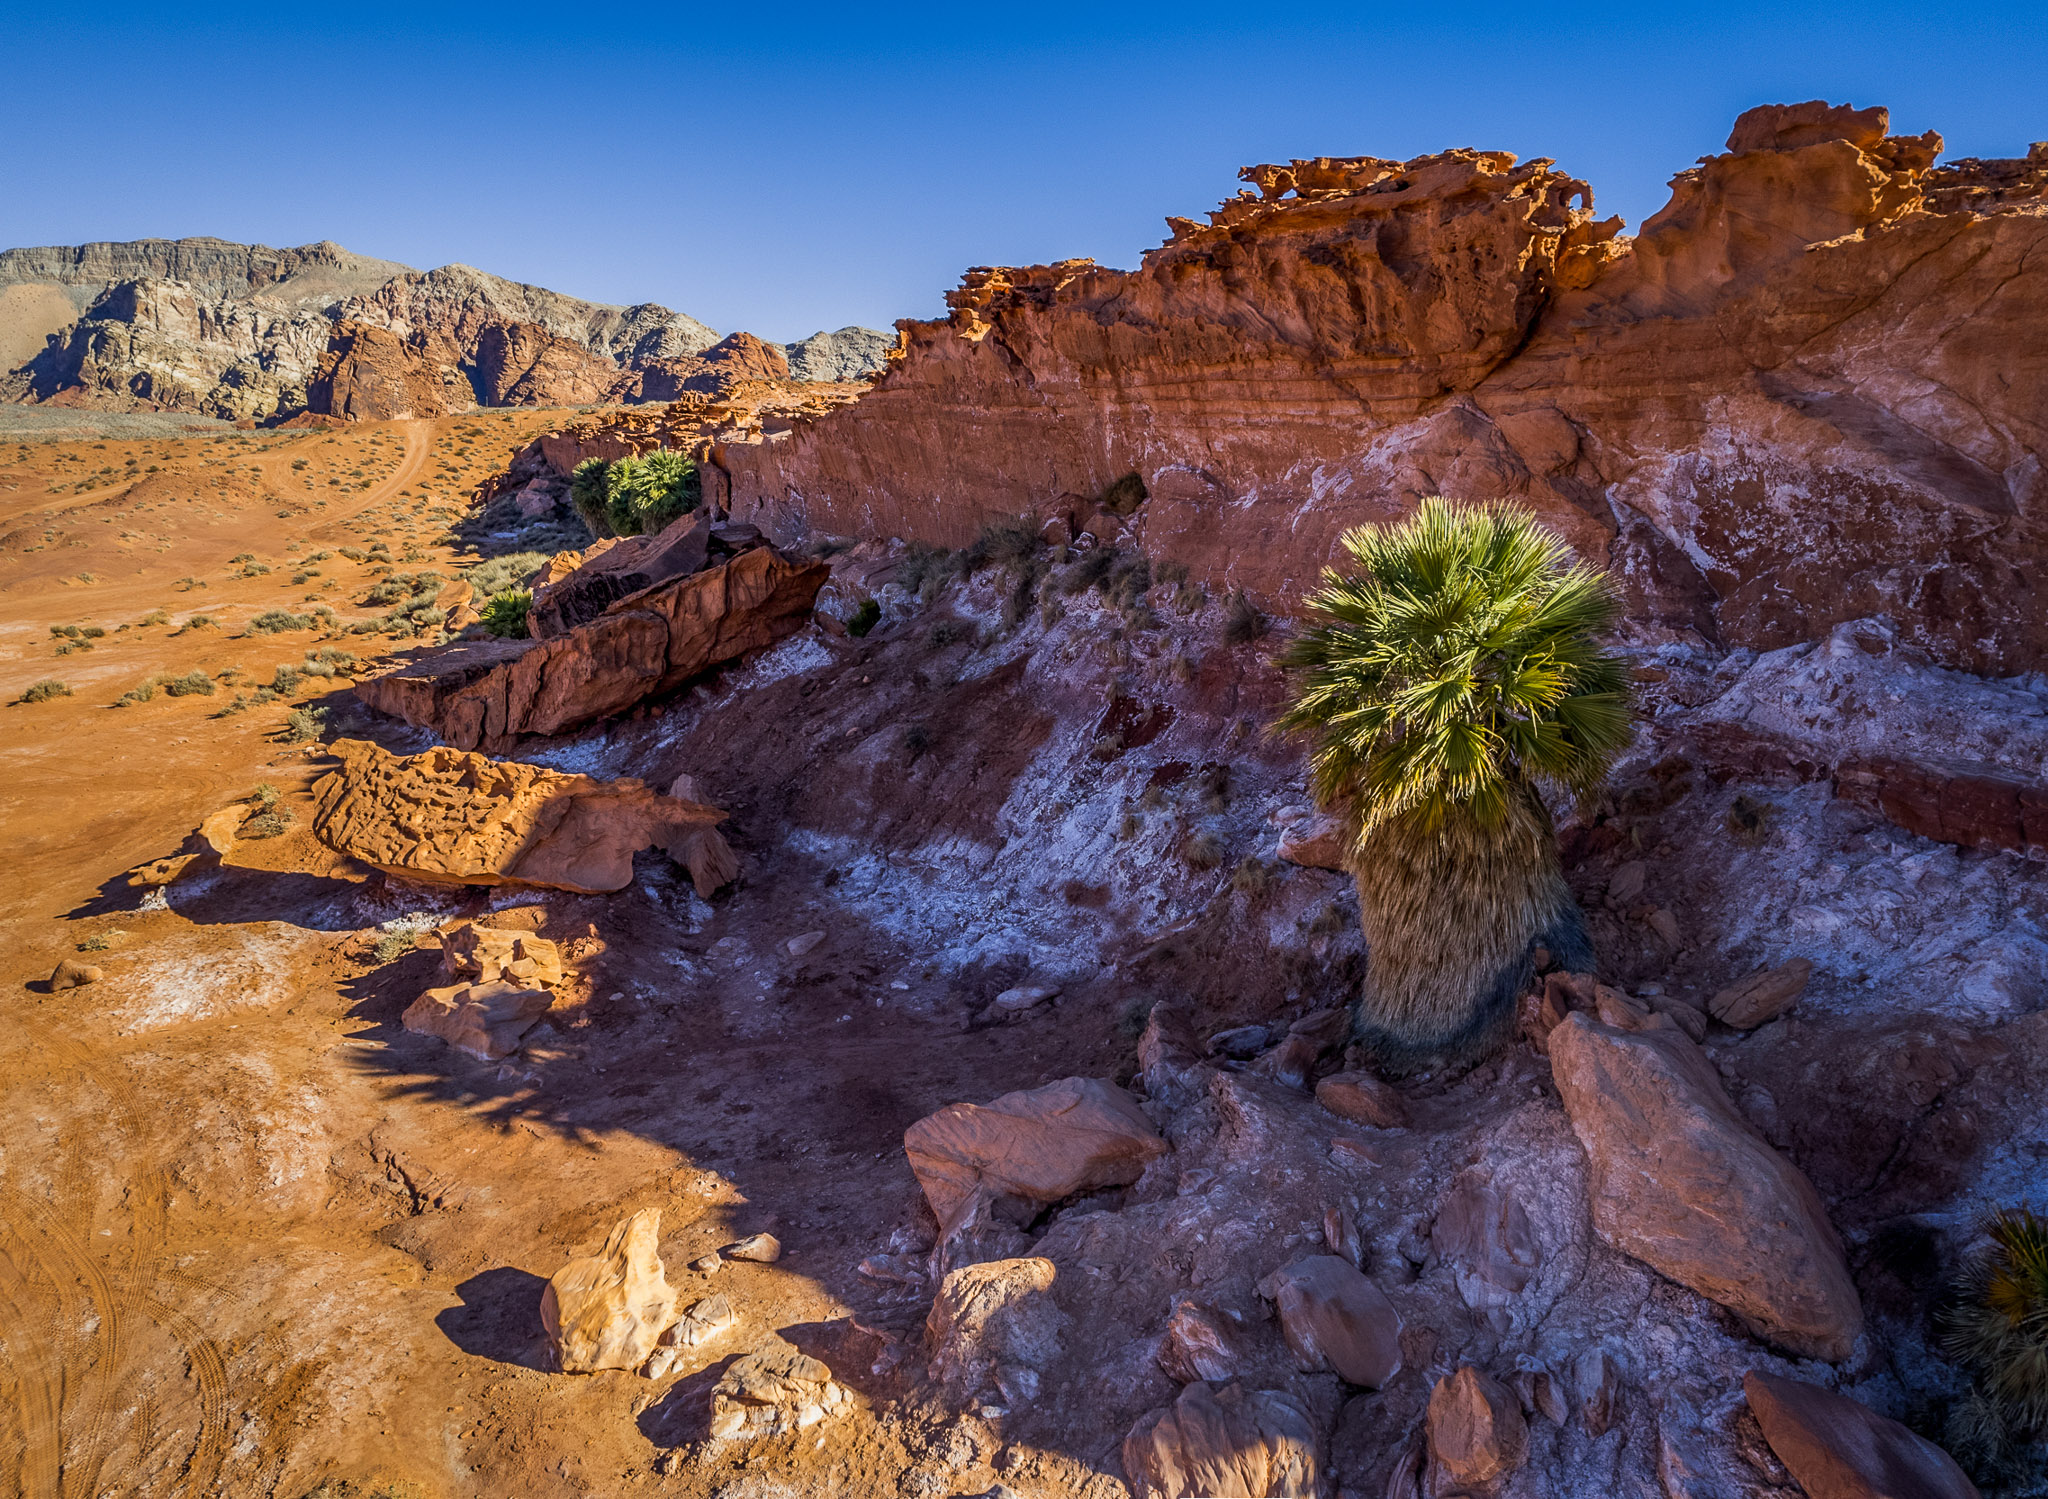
[[1450, 916]]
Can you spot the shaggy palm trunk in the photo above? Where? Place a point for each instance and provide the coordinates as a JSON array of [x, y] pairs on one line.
[[1450, 918]]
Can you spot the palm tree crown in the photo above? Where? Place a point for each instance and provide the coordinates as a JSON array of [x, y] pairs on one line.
[[1455, 667]]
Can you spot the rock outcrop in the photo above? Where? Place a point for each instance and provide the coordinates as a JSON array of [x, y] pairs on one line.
[[609, 1310], [1039, 1145], [489, 693], [370, 374], [851, 353], [612, 570], [1809, 390], [450, 818], [503, 982], [1684, 1183], [772, 1391], [994, 1329]]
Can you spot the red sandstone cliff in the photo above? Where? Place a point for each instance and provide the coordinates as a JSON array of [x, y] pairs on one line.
[[1810, 389]]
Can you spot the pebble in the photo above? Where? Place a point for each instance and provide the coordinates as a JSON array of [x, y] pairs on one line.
[[762, 1249]]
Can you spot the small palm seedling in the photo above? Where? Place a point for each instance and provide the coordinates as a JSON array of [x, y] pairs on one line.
[[1449, 677], [1996, 1325]]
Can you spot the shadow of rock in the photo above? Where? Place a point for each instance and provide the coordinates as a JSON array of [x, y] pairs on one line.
[[499, 1318]]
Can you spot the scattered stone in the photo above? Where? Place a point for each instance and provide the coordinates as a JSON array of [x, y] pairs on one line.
[[704, 1264], [995, 1327], [1013, 1000], [1307, 1039], [1626, 883], [1317, 841], [894, 1269], [1690, 1017], [772, 1391], [1200, 1341], [761, 1249], [703, 1324], [1597, 1376], [798, 946], [1363, 1099], [487, 1021], [1487, 1234], [1665, 925], [449, 818], [72, 974], [1476, 1427], [1541, 1394], [1340, 1232], [1764, 995], [608, 1311], [1225, 1441], [1682, 1181], [1334, 1318], [1041, 1144], [1240, 1043], [1839, 1448], [482, 954]]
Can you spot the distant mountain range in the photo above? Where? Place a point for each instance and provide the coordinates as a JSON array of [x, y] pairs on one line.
[[247, 332]]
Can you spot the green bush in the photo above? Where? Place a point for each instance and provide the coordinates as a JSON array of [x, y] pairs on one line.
[[1451, 673], [192, 684], [304, 724], [44, 690], [865, 618], [510, 571], [635, 496], [505, 613]]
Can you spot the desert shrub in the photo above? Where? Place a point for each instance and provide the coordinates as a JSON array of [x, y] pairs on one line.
[[43, 691], [1090, 570], [1202, 850], [240, 557], [187, 584], [192, 684], [285, 681], [329, 661], [498, 574], [1242, 622], [946, 632], [254, 570], [277, 621], [1995, 1324], [156, 617], [1453, 670], [141, 692], [505, 613], [1124, 496], [354, 554], [1000, 544], [1253, 876], [304, 724], [198, 622], [926, 570], [269, 823]]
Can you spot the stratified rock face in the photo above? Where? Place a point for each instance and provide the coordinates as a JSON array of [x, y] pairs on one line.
[[445, 817], [1225, 1441], [1685, 1184], [1838, 1448], [1812, 389], [648, 643], [1041, 1145], [851, 353], [369, 374], [609, 1310]]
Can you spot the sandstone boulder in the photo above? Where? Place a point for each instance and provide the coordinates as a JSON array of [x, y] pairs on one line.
[[72, 974], [203, 849], [774, 1390], [760, 1249], [1839, 1448], [486, 955], [1041, 1145], [1227, 1441], [1201, 1342], [1682, 1182], [995, 1328], [608, 1311], [486, 1020], [1318, 841], [1476, 1427], [1363, 1099], [1764, 995], [627, 566], [445, 817], [1335, 1318], [489, 693]]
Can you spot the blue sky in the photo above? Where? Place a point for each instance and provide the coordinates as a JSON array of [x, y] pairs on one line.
[[786, 167]]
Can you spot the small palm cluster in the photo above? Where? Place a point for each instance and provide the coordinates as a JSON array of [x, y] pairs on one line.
[[635, 496], [1448, 677], [1997, 1327]]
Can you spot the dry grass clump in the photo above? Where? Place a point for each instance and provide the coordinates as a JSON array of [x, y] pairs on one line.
[[1242, 623], [1202, 850], [43, 691], [194, 683]]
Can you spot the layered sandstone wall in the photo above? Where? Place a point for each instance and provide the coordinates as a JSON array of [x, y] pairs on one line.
[[1809, 390]]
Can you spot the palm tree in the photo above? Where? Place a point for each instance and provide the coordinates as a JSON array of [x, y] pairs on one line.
[[1450, 676]]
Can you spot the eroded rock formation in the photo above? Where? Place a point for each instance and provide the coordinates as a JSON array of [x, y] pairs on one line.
[[1810, 389], [449, 818], [488, 693]]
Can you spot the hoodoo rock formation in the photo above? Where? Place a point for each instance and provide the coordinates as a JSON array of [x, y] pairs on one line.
[[1811, 389]]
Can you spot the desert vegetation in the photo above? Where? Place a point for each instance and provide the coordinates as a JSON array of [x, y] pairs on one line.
[[1451, 675], [1996, 1326], [635, 496]]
